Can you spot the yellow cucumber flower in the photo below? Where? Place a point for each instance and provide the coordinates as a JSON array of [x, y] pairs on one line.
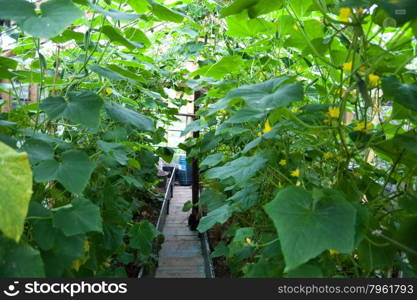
[[77, 264], [327, 155], [268, 127], [344, 14], [295, 173], [348, 66], [374, 79], [282, 162], [333, 252], [360, 126], [333, 112]]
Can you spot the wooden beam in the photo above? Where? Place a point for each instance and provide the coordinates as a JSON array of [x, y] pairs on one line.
[[186, 115], [33, 93], [195, 213]]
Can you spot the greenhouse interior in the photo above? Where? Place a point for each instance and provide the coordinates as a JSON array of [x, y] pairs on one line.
[[208, 139]]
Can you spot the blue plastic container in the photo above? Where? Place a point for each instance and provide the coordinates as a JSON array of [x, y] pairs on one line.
[[185, 171]]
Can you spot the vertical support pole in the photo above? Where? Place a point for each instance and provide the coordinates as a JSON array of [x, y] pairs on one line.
[[33, 93], [195, 168]]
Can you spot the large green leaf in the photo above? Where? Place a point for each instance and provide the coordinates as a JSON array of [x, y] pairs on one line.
[[196, 125], [407, 236], [118, 151], [212, 199], [227, 65], [241, 169], [407, 141], [115, 72], [268, 96], [141, 236], [38, 150], [127, 116], [15, 191], [255, 7], [7, 65], [69, 35], [130, 76], [79, 217], [219, 215], [312, 28], [112, 236], [245, 198], [306, 271], [401, 148], [263, 96], [212, 160], [220, 250], [404, 94], [137, 35], [373, 257], [165, 13], [408, 202], [102, 71], [43, 233], [56, 15], [83, 108], [117, 37], [241, 26], [166, 153], [35, 76], [73, 171], [307, 226], [265, 267], [19, 260], [247, 114], [59, 251], [65, 251], [19, 11], [113, 13], [140, 6], [239, 240]]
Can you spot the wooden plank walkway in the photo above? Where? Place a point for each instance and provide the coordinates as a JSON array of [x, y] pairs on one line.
[[181, 254]]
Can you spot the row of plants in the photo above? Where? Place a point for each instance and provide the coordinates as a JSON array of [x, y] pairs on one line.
[[78, 164], [308, 143]]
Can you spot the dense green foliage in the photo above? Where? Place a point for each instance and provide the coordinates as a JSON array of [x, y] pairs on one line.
[[91, 140], [307, 146], [309, 138]]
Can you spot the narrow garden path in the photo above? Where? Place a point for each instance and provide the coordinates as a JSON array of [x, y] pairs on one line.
[[181, 254]]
